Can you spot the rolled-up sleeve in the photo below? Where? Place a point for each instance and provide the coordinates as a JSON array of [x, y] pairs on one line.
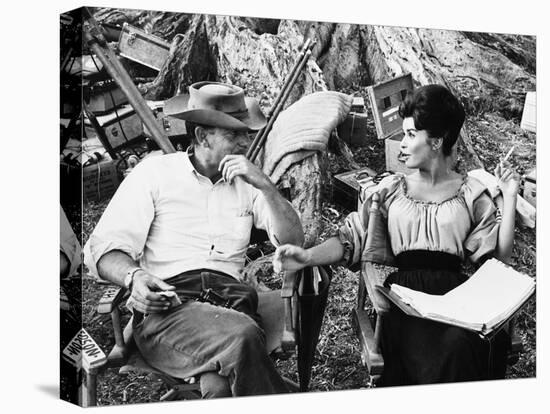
[[125, 222], [262, 218], [352, 234]]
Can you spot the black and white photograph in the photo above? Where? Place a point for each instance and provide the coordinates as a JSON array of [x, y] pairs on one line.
[[273, 206], [305, 206]]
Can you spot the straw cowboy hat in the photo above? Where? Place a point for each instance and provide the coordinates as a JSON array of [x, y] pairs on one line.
[[218, 105]]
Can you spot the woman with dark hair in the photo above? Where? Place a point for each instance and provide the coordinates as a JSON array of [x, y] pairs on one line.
[[436, 218]]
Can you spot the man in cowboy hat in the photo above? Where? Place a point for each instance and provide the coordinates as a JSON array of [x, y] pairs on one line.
[[179, 225]]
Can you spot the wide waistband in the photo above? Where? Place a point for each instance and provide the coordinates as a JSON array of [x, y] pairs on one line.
[[426, 259]]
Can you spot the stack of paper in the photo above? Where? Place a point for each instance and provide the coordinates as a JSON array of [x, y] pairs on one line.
[[493, 294]]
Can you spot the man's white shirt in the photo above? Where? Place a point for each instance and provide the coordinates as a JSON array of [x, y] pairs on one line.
[[172, 219]]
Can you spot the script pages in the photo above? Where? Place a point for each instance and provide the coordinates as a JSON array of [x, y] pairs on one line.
[[482, 303]]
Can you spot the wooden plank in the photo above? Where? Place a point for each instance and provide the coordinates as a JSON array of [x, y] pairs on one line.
[[372, 359]]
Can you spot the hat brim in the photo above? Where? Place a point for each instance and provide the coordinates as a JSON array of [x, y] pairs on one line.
[[253, 119]]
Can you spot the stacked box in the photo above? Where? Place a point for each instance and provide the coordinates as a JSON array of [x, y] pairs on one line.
[[385, 99], [530, 187], [347, 186], [100, 180]]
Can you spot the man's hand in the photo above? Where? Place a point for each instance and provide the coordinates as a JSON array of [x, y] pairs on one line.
[[508, 179], [290, 257], [232, 166], [145, 293]]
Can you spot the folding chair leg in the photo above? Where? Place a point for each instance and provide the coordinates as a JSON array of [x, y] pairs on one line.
[[88, 389]]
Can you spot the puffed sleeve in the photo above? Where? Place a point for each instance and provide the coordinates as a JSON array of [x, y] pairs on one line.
[[125, 222], [353, 232], [483, 237]]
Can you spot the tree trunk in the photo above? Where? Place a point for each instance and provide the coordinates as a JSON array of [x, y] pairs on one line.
[[489, 72]]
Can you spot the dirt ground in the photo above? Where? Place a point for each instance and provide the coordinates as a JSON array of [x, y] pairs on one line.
[[337, 363]]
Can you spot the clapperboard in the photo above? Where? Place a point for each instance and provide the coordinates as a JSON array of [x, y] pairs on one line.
[[83, 352]]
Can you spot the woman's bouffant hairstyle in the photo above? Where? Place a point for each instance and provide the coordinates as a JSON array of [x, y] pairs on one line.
[[437, 111]]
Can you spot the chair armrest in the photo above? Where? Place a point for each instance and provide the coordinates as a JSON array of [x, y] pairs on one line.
[[373, 276], [289, 284], [288, 340], [111, 298], [109, 303]]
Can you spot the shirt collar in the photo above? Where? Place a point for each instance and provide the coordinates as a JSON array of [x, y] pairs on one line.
[[188, 164]]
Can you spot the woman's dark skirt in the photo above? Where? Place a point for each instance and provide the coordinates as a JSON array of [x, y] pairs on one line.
[[418, 351]]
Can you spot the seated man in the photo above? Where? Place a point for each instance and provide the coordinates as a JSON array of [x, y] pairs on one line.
[[181, 223]]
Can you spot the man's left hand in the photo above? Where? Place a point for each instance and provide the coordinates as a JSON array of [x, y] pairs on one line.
[[232, 166]]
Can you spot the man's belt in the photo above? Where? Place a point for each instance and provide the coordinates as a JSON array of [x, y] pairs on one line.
[[205, 295]]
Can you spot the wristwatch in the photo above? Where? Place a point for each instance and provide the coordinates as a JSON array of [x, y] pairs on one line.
[[129, 279]]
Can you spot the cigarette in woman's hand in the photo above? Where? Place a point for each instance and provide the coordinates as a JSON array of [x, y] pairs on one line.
[[508, 154]]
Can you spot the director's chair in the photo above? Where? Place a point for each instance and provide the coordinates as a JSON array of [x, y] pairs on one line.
[[369, 327], [291, 316]]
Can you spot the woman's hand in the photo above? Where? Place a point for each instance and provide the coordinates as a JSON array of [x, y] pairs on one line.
[[290, 257], [508, 179]]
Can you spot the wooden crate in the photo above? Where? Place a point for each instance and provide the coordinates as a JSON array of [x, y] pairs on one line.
[[530, 187], [139, 46], [385, 99], [101, 100], [121, 126], [347, 185], [358, 104], [353, 131], [100, 181], [529, 115], [173, 127]]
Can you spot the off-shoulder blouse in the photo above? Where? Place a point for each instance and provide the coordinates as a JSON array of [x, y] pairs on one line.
[[465, 225]]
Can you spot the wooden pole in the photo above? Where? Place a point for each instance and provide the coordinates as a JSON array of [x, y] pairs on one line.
[[283, 95], [269, 125], [98, 44]]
